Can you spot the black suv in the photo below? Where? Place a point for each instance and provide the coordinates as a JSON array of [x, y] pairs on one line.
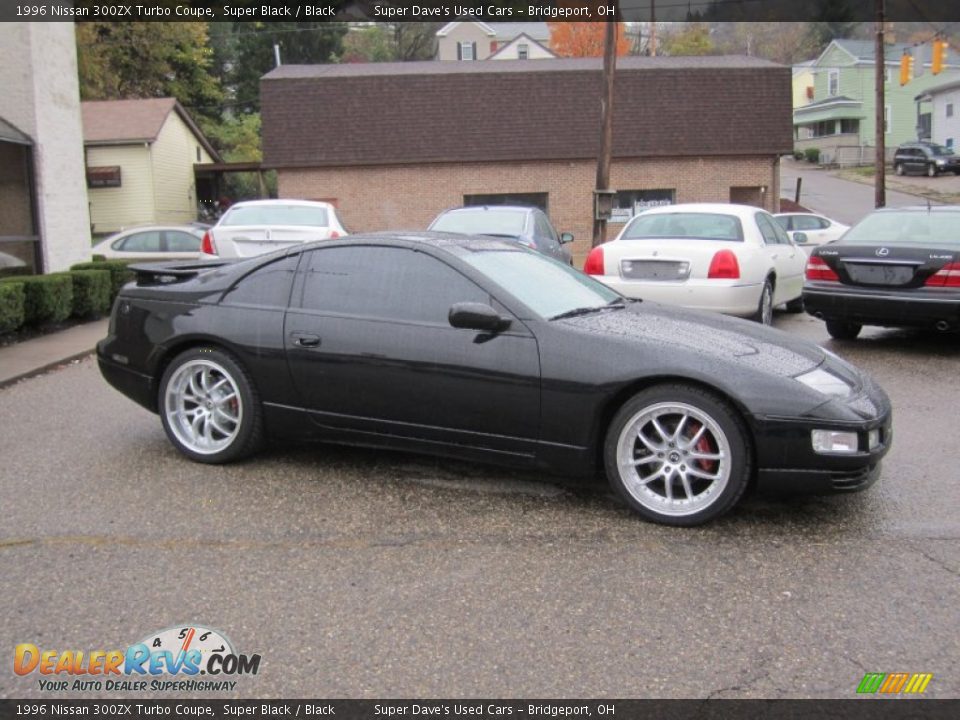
[[925, 157]]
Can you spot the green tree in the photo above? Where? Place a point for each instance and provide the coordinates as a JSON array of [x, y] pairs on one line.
[[688, 39], [144, 60]]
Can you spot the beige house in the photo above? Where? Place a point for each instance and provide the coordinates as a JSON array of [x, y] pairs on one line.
[[466, 41], [140, 157]]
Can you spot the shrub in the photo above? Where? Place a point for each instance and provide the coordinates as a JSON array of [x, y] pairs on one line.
[[798, 155], [11, 306], [46, 298], [120, 275], [91, 292], [812, 155]]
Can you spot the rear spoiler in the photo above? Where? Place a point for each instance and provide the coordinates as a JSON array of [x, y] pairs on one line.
[[162, 273]]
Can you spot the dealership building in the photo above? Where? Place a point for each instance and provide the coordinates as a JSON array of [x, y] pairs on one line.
[[393, 144]]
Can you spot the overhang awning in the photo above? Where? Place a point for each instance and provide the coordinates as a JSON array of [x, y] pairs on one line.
[[852, 110], [8, 133]]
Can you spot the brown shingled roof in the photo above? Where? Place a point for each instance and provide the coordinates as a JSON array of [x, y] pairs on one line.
[[397, 113], [118, 122]]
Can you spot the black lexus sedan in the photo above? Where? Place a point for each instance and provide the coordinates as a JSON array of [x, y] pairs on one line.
[[483, 349], [898, 267]]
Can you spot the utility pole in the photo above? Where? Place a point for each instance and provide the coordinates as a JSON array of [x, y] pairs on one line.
[[653, 28], [879, 163], [606, 128]]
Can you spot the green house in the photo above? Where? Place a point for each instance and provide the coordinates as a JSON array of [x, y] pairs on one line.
[[840, 120]]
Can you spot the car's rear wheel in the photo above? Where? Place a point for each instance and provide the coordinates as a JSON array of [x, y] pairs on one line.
[[898, 168], [209, 407], [678, 455], [764, 313], [843, 330], [931, 170]]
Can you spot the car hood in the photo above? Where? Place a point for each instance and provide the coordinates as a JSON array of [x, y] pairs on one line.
[[707, 334]]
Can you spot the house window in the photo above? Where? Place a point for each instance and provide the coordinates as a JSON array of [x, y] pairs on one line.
[[833, 83], [949, 143], [523, 51], [887, 118], [849, 127], [198, 153], [886, 75], [467, 51], [949, 109]]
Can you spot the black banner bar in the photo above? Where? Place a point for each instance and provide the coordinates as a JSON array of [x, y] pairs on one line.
[[872, 708]]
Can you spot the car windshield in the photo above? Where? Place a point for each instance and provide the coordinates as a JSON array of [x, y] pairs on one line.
[[696, 226], [905, 228], [276, 215], [482, 222], [547, 287]]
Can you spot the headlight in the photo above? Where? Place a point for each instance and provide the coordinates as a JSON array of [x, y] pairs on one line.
[[826, 383], [941, 162]]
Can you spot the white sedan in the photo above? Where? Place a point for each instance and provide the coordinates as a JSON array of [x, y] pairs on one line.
[[813, 229], [733, 259], [153, 242], [261, 226]]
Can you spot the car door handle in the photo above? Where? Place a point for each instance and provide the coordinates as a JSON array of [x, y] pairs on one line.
[[305, 340]]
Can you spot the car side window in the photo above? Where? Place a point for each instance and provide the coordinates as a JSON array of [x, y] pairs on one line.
[[140, 242], [545, 233], [385, 283], [770, 236], [182, 242], [805, 222], [267, 286]]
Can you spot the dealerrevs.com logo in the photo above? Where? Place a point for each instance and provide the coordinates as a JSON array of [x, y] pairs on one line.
[[170, 660]]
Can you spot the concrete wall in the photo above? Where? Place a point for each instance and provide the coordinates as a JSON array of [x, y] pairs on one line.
[[410, 196], [38, 75]]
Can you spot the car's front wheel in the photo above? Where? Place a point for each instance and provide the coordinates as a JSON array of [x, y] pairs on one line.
[[843, 330], [898, 169], [209, 407], [678, 455], [931, 170]]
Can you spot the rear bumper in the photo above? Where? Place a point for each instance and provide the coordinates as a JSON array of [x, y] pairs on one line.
[[723, 296], [140, 388], [914, 308]]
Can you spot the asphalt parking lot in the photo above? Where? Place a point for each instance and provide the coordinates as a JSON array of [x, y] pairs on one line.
[[357, 573]]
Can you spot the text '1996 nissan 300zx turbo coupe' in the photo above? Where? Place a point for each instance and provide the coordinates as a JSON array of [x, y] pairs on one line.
[[483, 349]]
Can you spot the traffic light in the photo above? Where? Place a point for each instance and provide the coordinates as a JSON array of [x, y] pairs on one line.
[[906, 68], [939, 56]]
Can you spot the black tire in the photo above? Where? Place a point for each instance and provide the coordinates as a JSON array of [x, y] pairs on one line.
[[898, 169], [724, 438], [931, 170], [764, 313], [217, 420], [843, 330], [795, 305]]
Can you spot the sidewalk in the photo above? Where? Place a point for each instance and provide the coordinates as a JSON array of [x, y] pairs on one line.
[[33, 357]]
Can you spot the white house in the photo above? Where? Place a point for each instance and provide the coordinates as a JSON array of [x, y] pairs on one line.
[[944, 113], [473, 40]]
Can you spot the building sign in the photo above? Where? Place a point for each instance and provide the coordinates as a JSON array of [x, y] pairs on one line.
[[103, 176], [628, 203]]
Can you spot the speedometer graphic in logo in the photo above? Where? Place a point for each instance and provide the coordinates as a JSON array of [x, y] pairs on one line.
[[182, 639]]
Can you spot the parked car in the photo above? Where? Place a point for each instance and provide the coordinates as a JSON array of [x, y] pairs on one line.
[[529, 226], [255, 227], [483, 349], [898, 267], [153, 242], [925, 157], [733, 259], [810, 229]]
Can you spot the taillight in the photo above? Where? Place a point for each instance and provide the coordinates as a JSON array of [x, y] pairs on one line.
[[334, 234], [947, 276], [206, 245], [594, 263], [724, 266], [817, 269]]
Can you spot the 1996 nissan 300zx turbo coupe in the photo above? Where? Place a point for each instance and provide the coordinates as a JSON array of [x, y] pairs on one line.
[[483, 349]]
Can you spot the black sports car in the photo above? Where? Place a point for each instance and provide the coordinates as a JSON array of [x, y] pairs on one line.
[[898, 267], [481, 348]]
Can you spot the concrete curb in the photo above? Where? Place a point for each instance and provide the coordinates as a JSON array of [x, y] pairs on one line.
[[6, 382]]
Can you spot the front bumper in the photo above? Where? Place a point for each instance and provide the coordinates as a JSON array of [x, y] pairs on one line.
[[888, 308]]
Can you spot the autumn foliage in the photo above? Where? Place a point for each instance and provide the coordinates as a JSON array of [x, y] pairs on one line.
[[584, 39]]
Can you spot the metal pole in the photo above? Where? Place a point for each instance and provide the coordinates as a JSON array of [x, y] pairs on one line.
[[880, 167], [276, 54], [606, 125]]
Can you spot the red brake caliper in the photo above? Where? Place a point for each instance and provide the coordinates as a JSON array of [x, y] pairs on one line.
[[704, 446]]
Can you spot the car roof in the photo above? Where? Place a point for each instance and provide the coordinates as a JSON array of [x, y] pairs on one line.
[[281, 202], [920, 208], [192, 229], [741, 211], [514, 208], [455, 243]]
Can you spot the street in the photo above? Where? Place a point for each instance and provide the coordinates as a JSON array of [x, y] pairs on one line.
[[359, 573]]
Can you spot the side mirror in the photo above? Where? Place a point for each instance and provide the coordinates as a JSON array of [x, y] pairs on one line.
[[800, 238], [566, 237], [477, 316]]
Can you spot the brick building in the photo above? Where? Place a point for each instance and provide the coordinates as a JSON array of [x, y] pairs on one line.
[[393, 144]]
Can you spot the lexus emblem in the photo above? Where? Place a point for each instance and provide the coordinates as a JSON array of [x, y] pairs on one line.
[[882, 252]]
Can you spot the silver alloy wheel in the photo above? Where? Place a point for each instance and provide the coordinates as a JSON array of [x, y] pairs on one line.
[[766, 305], [673, 458], [203, 406]]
